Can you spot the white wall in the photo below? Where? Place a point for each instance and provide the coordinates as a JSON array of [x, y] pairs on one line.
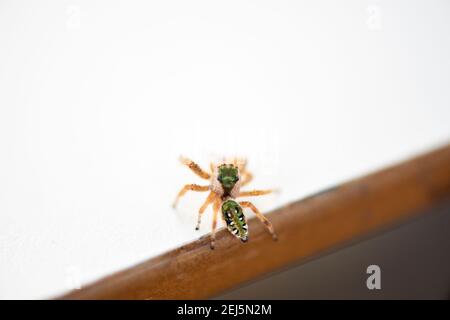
[[99, 98]]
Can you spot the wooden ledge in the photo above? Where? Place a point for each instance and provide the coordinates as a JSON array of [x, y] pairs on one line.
[[306, 228]]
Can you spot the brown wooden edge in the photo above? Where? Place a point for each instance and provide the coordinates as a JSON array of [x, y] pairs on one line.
[[305, 228]]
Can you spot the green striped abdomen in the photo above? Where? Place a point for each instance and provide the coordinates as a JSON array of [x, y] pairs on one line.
[[235, 219]]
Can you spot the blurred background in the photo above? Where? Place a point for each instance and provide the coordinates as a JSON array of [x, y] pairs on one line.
[[413, 261], [99, 98]]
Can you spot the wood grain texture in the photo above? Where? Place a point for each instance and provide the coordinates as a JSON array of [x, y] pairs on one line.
[[305, 228]]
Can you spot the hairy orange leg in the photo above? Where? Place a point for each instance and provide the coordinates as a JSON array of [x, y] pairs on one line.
[[210, 199], [195, 168], [214, 223], [253, 193], [246, 178], [189, 187], [261, 217]]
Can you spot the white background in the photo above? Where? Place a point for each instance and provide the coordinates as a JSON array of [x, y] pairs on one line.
[[99, 98]]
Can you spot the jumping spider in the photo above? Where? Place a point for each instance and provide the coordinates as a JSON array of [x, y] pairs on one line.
[[226, 179]]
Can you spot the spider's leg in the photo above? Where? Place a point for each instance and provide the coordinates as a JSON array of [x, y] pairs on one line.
[[211, 197], [189, 187], [195, 168], [245, 175], [255, 193], [214, 223], [241, 163], [246, 178], [260, 216]]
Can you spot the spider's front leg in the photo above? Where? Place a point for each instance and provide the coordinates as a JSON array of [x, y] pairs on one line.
[[195, 168], [261, 217], [186, 188]]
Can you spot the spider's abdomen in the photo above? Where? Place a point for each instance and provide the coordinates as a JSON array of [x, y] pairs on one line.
[[235, 219]]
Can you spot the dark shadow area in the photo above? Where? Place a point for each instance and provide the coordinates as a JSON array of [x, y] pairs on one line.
[[414, 259]]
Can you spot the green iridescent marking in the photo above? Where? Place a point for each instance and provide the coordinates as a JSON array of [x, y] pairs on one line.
[[228, 176], [235, 219]]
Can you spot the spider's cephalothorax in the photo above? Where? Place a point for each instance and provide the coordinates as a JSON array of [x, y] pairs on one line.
[[235, 219], [225, 182], [228, 176]]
